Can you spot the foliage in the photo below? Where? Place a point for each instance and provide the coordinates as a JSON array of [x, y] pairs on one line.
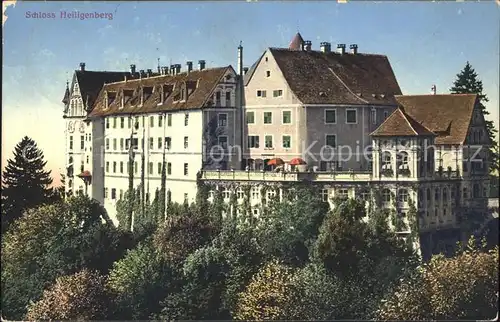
[[139, 282], [269, 296], [81, 296], [288, 228], [463, 287], [467, 82], [25, 183], [53, 241]]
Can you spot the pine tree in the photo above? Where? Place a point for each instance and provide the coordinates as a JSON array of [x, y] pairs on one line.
[[25, 183], [467, 82]]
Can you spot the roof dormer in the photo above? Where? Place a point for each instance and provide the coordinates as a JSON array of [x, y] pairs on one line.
[[109, 98]]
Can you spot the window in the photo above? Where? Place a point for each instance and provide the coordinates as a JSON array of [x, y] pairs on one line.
[[253, 141], [121, 166], [186, 198], [107, 166], [186, 119], [169, 168], [287, 141], [465, 195], [402, 160], [268, 117], [122, 122], [330, 116], [223, 141], [445, 195], [386, 160], [228, 98], [324, 195], [255, 192], [386, 195], [159, 167], [403, 195], [114, 166], [151, 121], [436, 194], [269, 141], [365, 195], [287, 117], [150, 168], [475, 190], [222, 119], [107, 144], [226, 193], [185, 169], [331, 140], [386, 114], [186, 142], [374, 116], [343, 193], [278, 93], [107, 123], [160, 143], [255, 211], [239, 193], [71, 142], [168, 143], [82, 142], [268, 73], [217, 98], [106, 193], [169, 120], [114, 122], [151, 143], [121, 193], [115, 147], [121, 143], [129, 122], [88, 159], [160, 120], [261, 93], [250, 117], [351, 116], [136, 168], [271, 193]]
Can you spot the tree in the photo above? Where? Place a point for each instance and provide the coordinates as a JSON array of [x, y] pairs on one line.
[[52, 241], [81, 296], [467, 82], [25, 183], [464, 287], [139, 282], [271, 295]]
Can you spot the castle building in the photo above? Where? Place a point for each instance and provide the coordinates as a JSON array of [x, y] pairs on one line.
[[334, 119]]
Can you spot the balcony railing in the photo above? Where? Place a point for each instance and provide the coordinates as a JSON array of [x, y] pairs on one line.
[[240, 175]]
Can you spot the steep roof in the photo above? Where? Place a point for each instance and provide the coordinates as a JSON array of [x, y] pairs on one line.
[[401, 124], [251, 71], [91, 82], [448, 115], [297, 42], [199, 86], [332, 78]]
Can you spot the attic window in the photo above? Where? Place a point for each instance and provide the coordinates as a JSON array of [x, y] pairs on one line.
[[191, 86], [268, 73], [322, 94], [228, 77], [382, 95], [166, 90], [374, 95], [146, 93], [128, 94], [111, 96]]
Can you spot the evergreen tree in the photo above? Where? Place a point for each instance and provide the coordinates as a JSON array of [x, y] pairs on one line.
[[25, 183], [467, 82]]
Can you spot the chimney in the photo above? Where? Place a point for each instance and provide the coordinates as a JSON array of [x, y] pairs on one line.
[[177, 69], [307, 45], [240, 60], [201, 64], [132, 69], [245, 70], [141, 73], [325, 47], [150, 72], [354, 49], [82, 67], [341, 49], [189, 66], [433, 90], [172, 69]]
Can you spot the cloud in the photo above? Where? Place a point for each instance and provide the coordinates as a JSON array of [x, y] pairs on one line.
[[104, 31]]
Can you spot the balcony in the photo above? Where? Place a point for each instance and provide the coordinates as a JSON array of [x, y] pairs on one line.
[[240, 175]]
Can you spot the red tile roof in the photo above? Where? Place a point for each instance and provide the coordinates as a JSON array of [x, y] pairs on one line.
[[401, 124], [448, 115], [198, 84], [296, 43], [332, 78]]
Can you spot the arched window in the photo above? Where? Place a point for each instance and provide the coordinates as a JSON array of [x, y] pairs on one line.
[[70, 161], [239, 193], [72, 110], [402, 160], [445, 195], [436, 194], [386, 160], [386, 195], [403, 195], [428, 194]]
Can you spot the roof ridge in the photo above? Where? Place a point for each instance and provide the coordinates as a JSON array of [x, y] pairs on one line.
[[448, 94]]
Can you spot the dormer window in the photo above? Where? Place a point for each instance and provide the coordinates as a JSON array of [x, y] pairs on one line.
[[110, 98], [146, 94], [165, 92], [183, 93], [128, 94]]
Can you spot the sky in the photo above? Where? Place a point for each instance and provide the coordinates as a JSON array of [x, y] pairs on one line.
[[426, 42]]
